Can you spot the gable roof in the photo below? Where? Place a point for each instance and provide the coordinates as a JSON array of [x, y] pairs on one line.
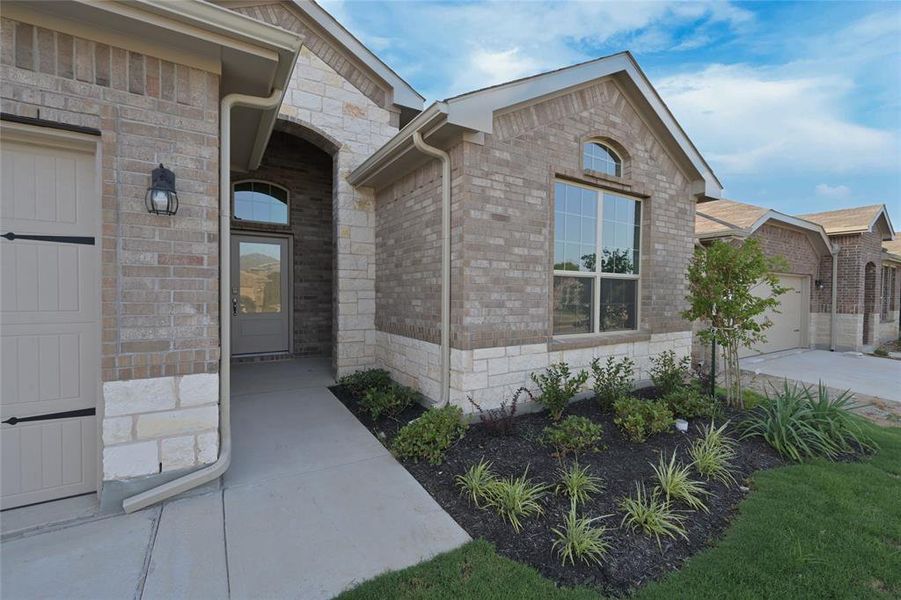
[[729, 218], [473, 112], [893, 247], [861, 219]]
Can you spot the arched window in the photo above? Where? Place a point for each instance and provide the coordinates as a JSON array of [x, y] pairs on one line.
[[601, 159], [261, 202]]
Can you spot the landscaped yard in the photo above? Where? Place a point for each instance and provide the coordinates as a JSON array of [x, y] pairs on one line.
[[643, 498], [814, 530]]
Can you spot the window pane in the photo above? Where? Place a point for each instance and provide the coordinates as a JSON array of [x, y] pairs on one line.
[[573, 305], [597, 157], [261, 202], [260, 277], [618, 304], [620, 238], [575, 228]]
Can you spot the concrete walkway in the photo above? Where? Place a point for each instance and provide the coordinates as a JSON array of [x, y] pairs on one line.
[[864, 375], [313, 504]]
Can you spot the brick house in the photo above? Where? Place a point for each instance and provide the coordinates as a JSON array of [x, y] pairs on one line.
[[462, 246], [865, 281]]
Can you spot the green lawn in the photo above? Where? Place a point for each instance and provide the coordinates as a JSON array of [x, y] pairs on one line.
[[816, 530]]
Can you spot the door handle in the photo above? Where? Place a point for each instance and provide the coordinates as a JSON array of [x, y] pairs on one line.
[[235, 307]]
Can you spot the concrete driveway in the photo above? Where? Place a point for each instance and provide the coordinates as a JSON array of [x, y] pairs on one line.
[[864, 375], [313, 504]]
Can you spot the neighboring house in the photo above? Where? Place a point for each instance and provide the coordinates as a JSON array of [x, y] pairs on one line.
[[803, 318], [463, 246], [867, 287]]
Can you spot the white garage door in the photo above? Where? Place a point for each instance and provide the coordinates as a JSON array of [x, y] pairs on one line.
[[789, 323], [49, 310]]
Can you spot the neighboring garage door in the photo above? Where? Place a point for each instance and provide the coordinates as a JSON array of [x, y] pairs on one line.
[[49, 310], [789, 323]]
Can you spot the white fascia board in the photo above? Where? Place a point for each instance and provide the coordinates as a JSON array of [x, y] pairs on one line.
[[404, 94], [884, 213], [476, 110], [812, 228]]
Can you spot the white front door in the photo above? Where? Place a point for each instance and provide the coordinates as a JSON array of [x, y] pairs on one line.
[[260, 294], [49, 311]]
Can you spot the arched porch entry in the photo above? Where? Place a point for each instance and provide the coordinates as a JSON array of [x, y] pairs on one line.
[[283, 250], [869, 302]]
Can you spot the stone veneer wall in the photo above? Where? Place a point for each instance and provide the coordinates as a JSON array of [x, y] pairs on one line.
[[306, 171], [160, 274], [490, 375], [339, 106]]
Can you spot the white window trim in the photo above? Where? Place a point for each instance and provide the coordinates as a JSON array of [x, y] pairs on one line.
[[235, 219], [597, 274], [609, 149]]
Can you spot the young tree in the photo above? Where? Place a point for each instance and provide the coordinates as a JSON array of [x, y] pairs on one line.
[[720, 279]]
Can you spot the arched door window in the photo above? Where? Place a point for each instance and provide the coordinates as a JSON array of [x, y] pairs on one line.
[[261, 202]]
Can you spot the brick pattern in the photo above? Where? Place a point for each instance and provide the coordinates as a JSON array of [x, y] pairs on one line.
[[306, 171], [796, 249], [160, 305]]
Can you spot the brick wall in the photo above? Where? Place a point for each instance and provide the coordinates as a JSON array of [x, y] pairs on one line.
[[508, 215], [159, 274], [306, 171], [795, 247]]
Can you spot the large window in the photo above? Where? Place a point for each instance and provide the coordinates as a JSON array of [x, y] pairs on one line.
[[601, 159], [261, 202], [591, 295]]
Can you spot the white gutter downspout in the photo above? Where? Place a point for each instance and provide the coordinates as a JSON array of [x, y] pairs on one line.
[[445, 258], [835, 250], [218, 468]]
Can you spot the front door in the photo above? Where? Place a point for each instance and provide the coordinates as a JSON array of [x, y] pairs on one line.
[[260, 294], [49, 312]]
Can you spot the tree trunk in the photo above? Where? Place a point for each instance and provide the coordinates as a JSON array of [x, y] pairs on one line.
[[732, 375]]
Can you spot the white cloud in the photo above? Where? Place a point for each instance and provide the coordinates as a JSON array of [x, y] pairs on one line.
[[833, 192], [757, 119]]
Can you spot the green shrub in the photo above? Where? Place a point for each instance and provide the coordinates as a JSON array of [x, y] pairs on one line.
[[476, 482], [368, 379], [579, 538], [669, 374], [798, 426], [429, 436], [713, 452], [652, 515], [689, 402], [613, 380], [389, 401], [578, 483], [675, 481], [880, 352], [573, 435], [558, 386], [517, 497], [640, 419]]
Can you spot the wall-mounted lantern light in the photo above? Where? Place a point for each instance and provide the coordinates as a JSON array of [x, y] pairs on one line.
[[161, 198], [818, 284]]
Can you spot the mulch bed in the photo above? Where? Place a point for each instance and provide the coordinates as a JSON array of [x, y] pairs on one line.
[[634, 558]]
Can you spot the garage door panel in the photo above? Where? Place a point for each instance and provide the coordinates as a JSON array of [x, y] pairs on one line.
[[49, 459], [787, 320], [49, 309], [43, 282], [48, 368]]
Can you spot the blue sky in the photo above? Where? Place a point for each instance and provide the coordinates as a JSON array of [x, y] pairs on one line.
[[797, 106]]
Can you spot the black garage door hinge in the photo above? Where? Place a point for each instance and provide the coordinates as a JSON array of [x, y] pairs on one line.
[[62, 239], [69, 414]]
